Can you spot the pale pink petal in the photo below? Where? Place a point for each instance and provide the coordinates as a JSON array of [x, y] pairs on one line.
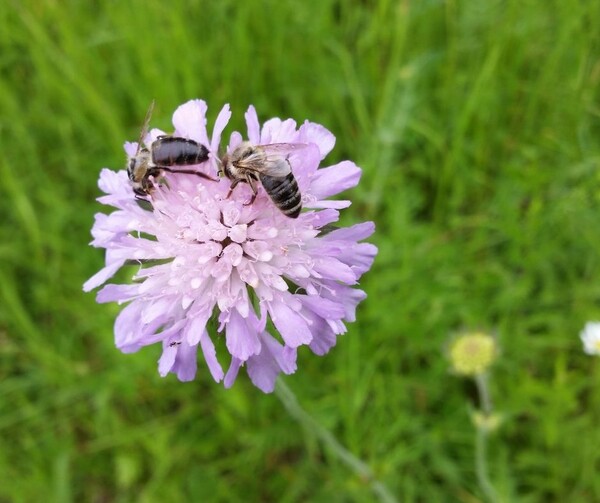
[[335, 179], [253, 125], [359, 257], [234, 140], [320, 219], [336, 205], [103, 275], [190, 121], [130, 149], [127, 328], [325, 308], [210, 356], [232, 373], [114, 182], [117, 293], [220, 123], [348, 297], [305, 162], [356, 232], [196, 326], [311, 132], [292, 327], [332, 268], [278, 131], [167, 359], [241, 337], [186, 362], [153, 135], [269, 127], [274, 358], [324, 336]]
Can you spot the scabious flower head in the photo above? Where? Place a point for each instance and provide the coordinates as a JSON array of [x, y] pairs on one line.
[[590, 336], [472, 353], [202, 256]]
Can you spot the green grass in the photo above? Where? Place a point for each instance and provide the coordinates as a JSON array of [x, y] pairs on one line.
[[478, 128]]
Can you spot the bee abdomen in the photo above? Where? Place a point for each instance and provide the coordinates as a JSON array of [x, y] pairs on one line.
[[284, 193], [177, 151]]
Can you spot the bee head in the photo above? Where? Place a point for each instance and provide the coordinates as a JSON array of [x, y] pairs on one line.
[[244, 150], [131, 167]]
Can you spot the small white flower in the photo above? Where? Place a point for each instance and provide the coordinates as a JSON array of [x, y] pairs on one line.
[[590, 335]]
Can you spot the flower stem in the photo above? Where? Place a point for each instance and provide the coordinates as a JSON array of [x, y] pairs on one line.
[[358, 466], [485, 401], [481, 466]]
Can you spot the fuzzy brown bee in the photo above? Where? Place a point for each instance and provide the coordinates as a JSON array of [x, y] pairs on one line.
[[165, 153], [270, 165]]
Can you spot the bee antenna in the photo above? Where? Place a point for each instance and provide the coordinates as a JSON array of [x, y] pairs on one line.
[[144, 130]]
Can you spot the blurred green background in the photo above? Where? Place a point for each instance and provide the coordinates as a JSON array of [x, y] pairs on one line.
[[477, 124]]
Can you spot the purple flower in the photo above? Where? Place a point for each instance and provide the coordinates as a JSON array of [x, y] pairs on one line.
[[203, 256]]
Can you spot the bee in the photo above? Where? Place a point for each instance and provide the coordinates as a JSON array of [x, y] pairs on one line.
[[270, 165], [165, 152]]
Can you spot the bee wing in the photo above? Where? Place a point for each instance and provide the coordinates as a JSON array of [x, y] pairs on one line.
[[275, 160], [144, 130], [271, 165], [282, 148], [276, 167]]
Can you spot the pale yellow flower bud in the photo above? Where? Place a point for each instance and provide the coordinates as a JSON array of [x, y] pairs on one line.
[[472, 353], [487, 422]]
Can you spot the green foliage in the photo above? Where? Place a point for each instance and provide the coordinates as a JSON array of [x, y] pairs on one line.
[[478, 128]]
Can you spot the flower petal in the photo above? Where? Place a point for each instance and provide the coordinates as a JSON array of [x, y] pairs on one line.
[[220, 123], [210, 356], [127, 327], [311, 132], [347, 296], [277, 131], [324, 338], [196, 325], [241, 337], [356, 232], [273, 359], [167, 359], [130, 148], [117, 293], [153, 135], [186, 362], [359, 257], [253, 125], [325, 308], [232, 373], [103, 275], [190, 121], [338, 204], [114, 182], [332, 268], [292, 327], [335, 179]]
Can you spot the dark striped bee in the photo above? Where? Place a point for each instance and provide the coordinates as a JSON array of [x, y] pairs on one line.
[[165, 153], [270, 165]]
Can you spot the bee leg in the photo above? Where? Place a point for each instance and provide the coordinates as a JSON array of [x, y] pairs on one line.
[[144, 202], [190, 172], [232, 186], [254, 191]]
